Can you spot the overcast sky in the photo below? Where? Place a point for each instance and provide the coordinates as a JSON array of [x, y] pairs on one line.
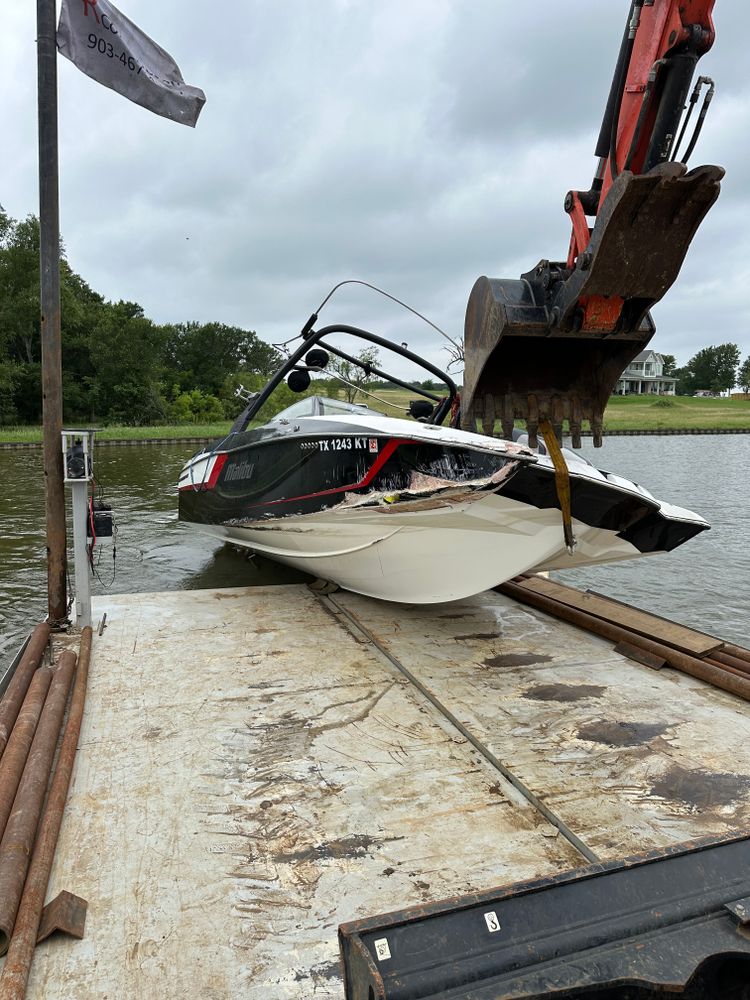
[[413, 144]]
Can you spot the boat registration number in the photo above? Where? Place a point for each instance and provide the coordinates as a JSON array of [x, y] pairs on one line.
[[341, 444]]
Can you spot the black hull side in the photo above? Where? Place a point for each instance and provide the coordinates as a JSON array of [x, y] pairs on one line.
[[655, 533], [304, 475], [273, 476]]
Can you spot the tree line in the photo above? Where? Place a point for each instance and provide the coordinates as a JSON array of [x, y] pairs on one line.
[[118, 365], [713, 369], [121, 367]]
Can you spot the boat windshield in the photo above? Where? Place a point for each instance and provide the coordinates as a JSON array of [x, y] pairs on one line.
[[317, 406]]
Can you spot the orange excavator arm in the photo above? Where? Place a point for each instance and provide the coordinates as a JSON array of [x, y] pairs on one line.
[[551, 345]]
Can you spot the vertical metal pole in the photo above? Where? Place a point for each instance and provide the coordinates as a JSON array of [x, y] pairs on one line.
[[79, 492], [49, 223]]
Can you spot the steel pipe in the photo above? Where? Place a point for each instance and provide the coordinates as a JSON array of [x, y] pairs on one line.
[[20, 831], [15, 973], [717, 676], [727, 660], [12, 700], [17, 750], [739, 651], [723, 666]]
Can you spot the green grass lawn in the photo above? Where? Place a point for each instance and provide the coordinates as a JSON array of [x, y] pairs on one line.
[[631, 413], [675, 412], [117, 432], [636, 413]]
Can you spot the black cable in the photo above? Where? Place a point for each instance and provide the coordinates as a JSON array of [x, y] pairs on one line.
[[358, 281], [70, 592], [686, 119], [701, 117], [94, 569]]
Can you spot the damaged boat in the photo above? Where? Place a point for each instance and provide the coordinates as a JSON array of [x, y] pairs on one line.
[[412, 510]]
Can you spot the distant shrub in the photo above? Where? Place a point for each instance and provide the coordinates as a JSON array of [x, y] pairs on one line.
[[196, 407], [8, 412], [664, 402]]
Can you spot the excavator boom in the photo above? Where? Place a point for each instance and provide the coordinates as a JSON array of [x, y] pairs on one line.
[[550, 346]]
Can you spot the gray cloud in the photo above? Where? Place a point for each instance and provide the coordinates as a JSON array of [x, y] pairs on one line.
[[416, 146]]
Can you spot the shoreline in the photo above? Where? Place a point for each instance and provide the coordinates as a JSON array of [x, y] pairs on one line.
[[189, 439]]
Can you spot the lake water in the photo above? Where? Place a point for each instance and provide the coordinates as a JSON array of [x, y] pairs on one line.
[[706, 583]]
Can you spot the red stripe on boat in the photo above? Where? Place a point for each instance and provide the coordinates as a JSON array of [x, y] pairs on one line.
[[374, 469], [208, 484], [218, 466]]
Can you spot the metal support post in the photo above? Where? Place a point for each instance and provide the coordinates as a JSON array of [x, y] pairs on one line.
[[49, 223], [78, 456], [79, 492]]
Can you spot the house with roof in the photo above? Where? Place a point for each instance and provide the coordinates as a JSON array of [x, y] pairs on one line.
[[644, 377]]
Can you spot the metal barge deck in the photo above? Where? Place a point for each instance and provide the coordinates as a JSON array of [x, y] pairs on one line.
[[258, 766]]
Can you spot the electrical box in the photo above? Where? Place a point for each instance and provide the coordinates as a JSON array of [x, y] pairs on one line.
[[78, 455], [99, 522]]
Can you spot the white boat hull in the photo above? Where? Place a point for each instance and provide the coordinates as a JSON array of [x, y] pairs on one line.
[[422, 556]]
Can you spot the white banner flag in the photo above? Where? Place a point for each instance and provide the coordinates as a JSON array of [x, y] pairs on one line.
[[112, 50]]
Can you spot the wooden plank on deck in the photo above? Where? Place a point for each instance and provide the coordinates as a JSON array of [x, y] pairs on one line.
[[661, 629]]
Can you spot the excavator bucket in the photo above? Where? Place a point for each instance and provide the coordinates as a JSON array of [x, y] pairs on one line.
[[552, 344]]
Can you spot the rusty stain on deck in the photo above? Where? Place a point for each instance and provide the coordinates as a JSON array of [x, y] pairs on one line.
[[515, 659], [563, 692], [701, 790], [346, 847], [621, 734]]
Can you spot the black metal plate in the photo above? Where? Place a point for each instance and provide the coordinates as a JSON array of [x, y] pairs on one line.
[[652, 926]]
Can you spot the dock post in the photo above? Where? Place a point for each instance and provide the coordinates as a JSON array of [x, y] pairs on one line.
[[49, 269], [78, 455], [79, 493]]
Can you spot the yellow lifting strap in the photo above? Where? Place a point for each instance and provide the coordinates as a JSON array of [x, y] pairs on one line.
[[562, 481]]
